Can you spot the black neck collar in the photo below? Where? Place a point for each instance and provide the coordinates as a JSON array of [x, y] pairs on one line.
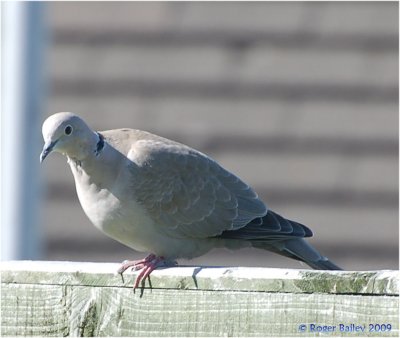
[[100, 144]]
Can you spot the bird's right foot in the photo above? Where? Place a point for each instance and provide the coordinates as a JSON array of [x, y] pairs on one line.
[[147, 265], [135, 265]]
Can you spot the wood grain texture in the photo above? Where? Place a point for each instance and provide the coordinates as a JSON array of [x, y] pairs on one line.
[[88, 299]]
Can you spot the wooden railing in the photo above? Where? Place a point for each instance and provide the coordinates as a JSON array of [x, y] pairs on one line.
[[91, 299]]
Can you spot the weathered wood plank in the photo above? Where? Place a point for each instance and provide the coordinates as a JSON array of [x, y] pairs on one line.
[[86, 299], [384, 282]]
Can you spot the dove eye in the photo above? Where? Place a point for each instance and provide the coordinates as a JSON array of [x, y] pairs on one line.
[[68, 130]]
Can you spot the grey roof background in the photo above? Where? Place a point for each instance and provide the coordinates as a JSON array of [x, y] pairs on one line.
[[299, 99]]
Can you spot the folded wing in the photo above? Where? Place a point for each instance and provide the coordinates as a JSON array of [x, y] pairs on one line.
[[187, 193]]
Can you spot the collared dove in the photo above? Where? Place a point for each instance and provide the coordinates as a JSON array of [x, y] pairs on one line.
[[159, 196]]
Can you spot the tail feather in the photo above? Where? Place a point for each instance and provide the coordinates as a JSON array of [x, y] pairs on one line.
[[323, 265], [282, 236], [301, 250]]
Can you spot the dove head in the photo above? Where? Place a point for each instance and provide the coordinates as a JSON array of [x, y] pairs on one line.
[[68, 134]]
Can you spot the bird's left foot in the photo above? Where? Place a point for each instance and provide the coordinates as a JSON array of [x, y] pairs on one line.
[[147, 265]]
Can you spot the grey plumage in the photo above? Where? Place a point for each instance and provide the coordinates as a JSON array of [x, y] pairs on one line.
[[156, 195]]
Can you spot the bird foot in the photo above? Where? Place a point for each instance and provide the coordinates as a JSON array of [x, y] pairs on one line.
[[146, 265], [135, 265]]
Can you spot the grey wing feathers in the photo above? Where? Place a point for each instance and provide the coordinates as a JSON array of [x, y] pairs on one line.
[[190, 195]]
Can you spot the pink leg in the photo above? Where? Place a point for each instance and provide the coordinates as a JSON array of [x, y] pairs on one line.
[[147, 265], [147, 270]]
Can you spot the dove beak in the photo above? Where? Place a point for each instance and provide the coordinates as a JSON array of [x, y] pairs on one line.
[[47, 149]]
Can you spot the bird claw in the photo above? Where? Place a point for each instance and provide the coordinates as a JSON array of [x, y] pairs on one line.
[[146, 265], [135, 265]]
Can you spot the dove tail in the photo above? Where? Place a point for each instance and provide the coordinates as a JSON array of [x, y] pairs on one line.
[[299, 249], [323, 265], [282, 236]]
